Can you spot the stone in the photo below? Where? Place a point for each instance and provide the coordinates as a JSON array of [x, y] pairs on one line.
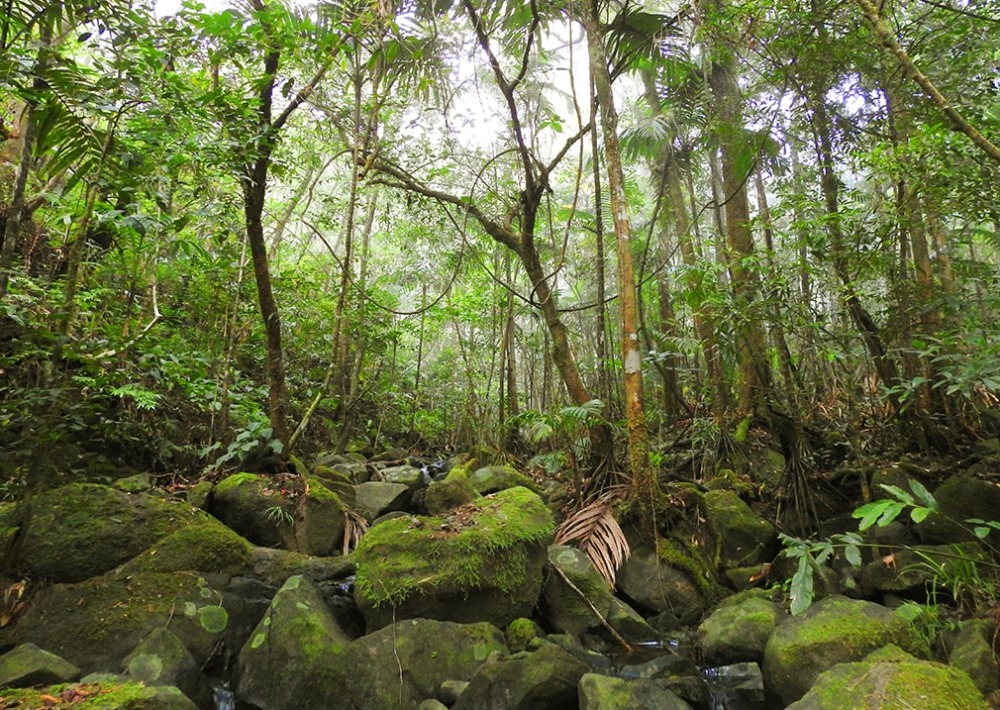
[[891, 678], [161, 659], [254, 506], [831, 631], [409, 476], [480, 562], [652, 584], [739, 685], [29, 665], [297, 632], [442, 496], [742, 537], [913, 568], [376, 498], [490, 479], [738, 629], [408, 662], [94, 624], [960, 498], [83, 530], [972, 652], [565, 609], [205, 546], [599, 692], [105, 695], [544, 678], [319, 521]]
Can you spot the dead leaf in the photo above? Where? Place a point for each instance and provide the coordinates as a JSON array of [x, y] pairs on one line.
[[889, 560]]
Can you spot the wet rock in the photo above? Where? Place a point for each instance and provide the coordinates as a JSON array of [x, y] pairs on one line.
[[162, 659], [891, 678], [401, 665], [480, 562], [29, 665], [544, 678], [296, 632], [739, 686], [597, 692], [738, 629], [834, 630]]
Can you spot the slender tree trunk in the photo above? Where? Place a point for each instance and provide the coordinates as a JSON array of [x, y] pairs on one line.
[[603, 379], [644, 482]]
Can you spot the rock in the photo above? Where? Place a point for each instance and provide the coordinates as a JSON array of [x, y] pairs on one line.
[[107, 695], [96, 623], [432, 704], [891, 678], [972, 652], [668, 665], [29, 665], [161, 659], [408, 476], [253, 506], [375, 498], [297, 632], [83, 530], [198, 495], [960, 498], [742, 537], [442, 496], [831, 631], [565, 610], [491, 479], [629, 623], [450, 691], [481, 562], [138, 483], [276, 566], [320, 520], [740, 685], [599, 692], [521, 633], [913, 568], [657, 586], [544, 678], [738, 629], [337, 482], [205, 546], [401, 665]]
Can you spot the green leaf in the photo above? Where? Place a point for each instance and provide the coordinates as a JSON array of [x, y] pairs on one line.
[[853, 555], [870, 513], [918, 515], [802, 586], [898, 493], [924, 495]]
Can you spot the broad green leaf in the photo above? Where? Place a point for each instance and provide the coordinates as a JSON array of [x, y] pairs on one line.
[[898, 493], [802, 586]]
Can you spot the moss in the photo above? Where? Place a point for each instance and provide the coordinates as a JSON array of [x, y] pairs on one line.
[[484, 539], [520, 633], [94, 696], [204, 547], [461, 471], [237, 480]]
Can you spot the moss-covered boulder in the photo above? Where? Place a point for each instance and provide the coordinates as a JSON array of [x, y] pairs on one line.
[[376, 498], [834, 630], [275, 566], [480, 562], [669, 580], [742, 537], [204, 546], [105, 695], [94, 624], [543, 678], [29, 665], [162, 659], [491, 479], [601, 692], [738, 629], [915, 567], [256, 507], [960, 498], [83, 530], [401, 665], [442, 496], [297, 632], [319, 520], [972, 652], [569, 610], [409, 476], [889, 679]]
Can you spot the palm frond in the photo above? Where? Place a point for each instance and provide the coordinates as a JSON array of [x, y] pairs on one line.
[[598, 535], [355, 527]]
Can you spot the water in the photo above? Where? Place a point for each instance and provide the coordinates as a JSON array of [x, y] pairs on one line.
[[224, 699]]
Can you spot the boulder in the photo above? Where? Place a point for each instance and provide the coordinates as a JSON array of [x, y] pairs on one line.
[[255, 506], [738, 629], [376, 498], [442, 496], [480, 562], [543, 678], [742, 537], [831, 631], [105, 695], [29, 665], [911, 569], [891, 678], [96, 623], [491, 479], [161, 659], [204, 546], [960, 498], [83, 530], [675, 582], [972, 652], [409, 476], [297, 632], [401, 665], [600, 692], [566, 610], [319, 520]]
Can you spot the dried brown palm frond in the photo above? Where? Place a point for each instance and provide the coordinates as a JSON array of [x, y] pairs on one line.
[[598, 535], [355, 527]]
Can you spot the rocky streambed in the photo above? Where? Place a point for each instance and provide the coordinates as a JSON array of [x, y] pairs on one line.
[[238, 593]]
